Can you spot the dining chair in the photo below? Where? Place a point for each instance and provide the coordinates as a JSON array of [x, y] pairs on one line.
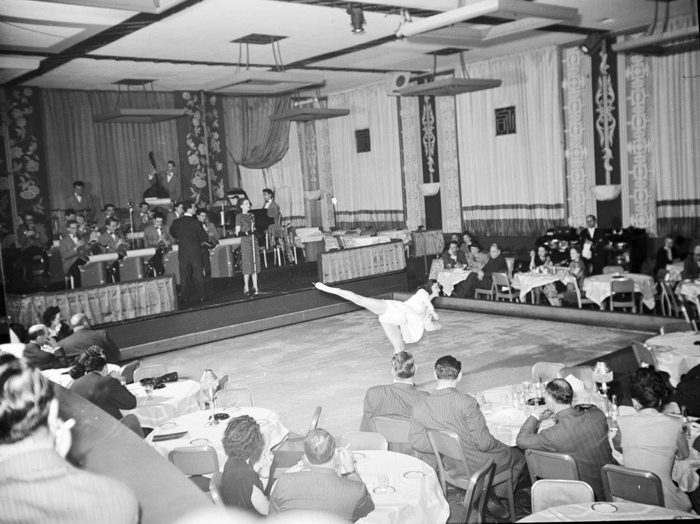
[[676, 327], [548, 493], [215, 489], [357, 440], [503, 288], [633, 485], [295, 441], [127, 371], [671, 306], [395, 432], [154, 371], [195, 462], [645, 355], [622, 294], [581, 299], [477, 492], [234, 397], [446, 444], [549, 465], [315, 418], [436, 266], [222, 383], [488, 293], [545, 371], [583, 373], [277, 235]]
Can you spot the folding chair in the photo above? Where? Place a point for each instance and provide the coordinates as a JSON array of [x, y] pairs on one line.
[[676, 327], [154, 371], [295, 441], [215, 489], [477, 492], [548, 465], [670, 305], [624, 287], [582, 300], [128, 370], [633, 485], [488, 293], [645, 355], [446, 444], [132, 422], [548, 493], [195, 462], [357, 440], [583, 373], [234, 397], [545, 371], [501, 284]]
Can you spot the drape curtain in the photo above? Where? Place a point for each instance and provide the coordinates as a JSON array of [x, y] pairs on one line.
[[285, 178], [255, 141], [112, 159], [367, 185], [513, 184], [675, 136]]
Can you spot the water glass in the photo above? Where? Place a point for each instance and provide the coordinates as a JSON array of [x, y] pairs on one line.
[[382, 481], [148, 388], [122, 380]]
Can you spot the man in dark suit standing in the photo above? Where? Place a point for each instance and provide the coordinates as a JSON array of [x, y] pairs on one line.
[[84, 336], [593, 245], [190, 236], [482, 279]]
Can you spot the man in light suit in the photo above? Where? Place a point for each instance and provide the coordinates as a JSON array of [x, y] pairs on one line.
[[595, 253], [395, 400], [157, 235], [113, 241], [83, 203], [449, 409], [84, 336], [71, 254], [33, 241], [273, 208], [172, 183]]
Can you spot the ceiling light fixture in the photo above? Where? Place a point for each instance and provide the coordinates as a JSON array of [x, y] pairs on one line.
[[357, 18], [128, 115], [592, 43]]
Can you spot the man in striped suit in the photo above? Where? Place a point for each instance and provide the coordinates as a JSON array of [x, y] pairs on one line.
[[449, 409]]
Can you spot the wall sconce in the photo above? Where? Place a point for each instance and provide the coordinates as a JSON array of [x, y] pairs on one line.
[[357, 19]]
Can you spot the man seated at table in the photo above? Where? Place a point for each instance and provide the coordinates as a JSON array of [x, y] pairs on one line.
[[667, 254], [321, 487], [453, 257], [581, 434], [394, 400], [691, 266], [449, 409], [40, 353], [38, 484], [482, 279], [84, 336]]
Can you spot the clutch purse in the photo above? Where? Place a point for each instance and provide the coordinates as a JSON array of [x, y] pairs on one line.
[[168, 377]]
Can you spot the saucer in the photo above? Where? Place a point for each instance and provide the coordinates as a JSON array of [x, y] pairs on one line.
[[604, 507], [199, 441], [414, 475], [384, 491], [168, 425]]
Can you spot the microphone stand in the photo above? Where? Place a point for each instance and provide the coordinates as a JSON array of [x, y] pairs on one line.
[[131, 225]]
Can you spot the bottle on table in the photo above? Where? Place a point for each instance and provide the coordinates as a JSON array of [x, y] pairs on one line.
[[614, 414]]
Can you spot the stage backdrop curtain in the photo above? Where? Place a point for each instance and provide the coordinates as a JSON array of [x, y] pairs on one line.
[[675, 136], [367, 185], [285, 178], [112, 159], [513, 184]]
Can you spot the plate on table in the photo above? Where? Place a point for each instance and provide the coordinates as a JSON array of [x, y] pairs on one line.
[[604, 507], [414, 475], [199, 441], [384, 491], [221, 416], [358, 456], [168, 425]]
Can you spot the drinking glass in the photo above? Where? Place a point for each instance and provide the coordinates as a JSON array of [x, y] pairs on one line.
[[148, 388], [122, 380], [383, 482]]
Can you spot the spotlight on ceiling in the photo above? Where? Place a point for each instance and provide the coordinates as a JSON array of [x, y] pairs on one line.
[[592, 43], [357, 18]]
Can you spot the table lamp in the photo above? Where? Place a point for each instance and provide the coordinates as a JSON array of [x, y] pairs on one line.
[[209, 383], [603, 374]]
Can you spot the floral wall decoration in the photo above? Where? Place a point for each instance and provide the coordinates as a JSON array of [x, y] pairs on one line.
[[22, 122], [7, 237], [202, 133]]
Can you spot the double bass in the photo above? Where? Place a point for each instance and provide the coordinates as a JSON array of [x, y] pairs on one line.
[[156, 190]]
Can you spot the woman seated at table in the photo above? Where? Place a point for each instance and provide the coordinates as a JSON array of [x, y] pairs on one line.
[[650, 440], [93, 383], [565, 290], [540, 259], [476, 259], [247, 470], [466, 242], [453, 257], [58, 330]]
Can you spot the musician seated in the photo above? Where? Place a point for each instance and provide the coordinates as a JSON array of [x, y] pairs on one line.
[[68, 214], [33, 241], [83, 227], [157, 235], [177, 212], [73, 252], [144, 217], [113, 241], [109, 211]]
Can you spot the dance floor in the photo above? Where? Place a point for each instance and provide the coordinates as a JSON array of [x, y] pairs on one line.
[[331, 362]]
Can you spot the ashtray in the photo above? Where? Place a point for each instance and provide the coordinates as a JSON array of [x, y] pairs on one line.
[[384, 491], [168, 425], [535, 401], [221, 416], [604, 507], [414, 475]]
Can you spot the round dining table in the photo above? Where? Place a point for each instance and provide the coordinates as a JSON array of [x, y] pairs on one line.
[[193, 430], [449, 278], [526, 282], [676, 353], [598, 287], [603, 511], [173, 400]]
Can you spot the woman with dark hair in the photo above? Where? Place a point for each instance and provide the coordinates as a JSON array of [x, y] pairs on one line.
[[564, 289], [58, 330], [93, 383], [650, 440], [250, 254], [541, 258], [402, 321], [245, 477]]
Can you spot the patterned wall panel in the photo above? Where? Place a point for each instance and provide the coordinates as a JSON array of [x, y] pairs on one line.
[[450, 193], [325, 174], [412, 167]]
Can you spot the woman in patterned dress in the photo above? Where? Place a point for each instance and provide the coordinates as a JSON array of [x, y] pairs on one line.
[[250, 254]]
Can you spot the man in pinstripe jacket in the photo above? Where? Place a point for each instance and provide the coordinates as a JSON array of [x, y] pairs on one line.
[[448, 409]]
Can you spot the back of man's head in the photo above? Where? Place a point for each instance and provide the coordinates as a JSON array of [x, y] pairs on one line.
[[78, 320], [25, 395], [36, 331], [447, 368], [319, 446], [403, 365], [560, 391]]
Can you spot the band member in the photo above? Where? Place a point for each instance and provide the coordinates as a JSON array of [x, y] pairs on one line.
[[157, 235], [82, 202], [273, 209], [170, 182], [190, 236], [73, 252], [177, 212], [33, 241], [113, 241], [213, 239], [68, 214], [109, 211], [144, 217], [250, 253], [83, 227]]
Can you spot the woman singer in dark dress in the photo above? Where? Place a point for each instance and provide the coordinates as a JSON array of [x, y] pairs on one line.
[[247, 470], [250, 254]]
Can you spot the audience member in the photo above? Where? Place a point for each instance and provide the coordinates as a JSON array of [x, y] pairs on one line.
[[449, 409], [667, 254], [452, 257], [57, 329], [691, 266], [540, 259], [581, 434], [41, 352], [483, 278], [687, 394], [651, 440], [247, 470], [466, 242], [37, 484], [33, 241], [320, 487], [84, 336], [564, 290]]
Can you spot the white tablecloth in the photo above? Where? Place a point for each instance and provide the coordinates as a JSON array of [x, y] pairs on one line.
[[364, 241], [676, 353], [526, 282], [597, 287], [175, 399], [674, 271], [195, 424], [603, 511], [690, 290], [61, 375], [448, 278]]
